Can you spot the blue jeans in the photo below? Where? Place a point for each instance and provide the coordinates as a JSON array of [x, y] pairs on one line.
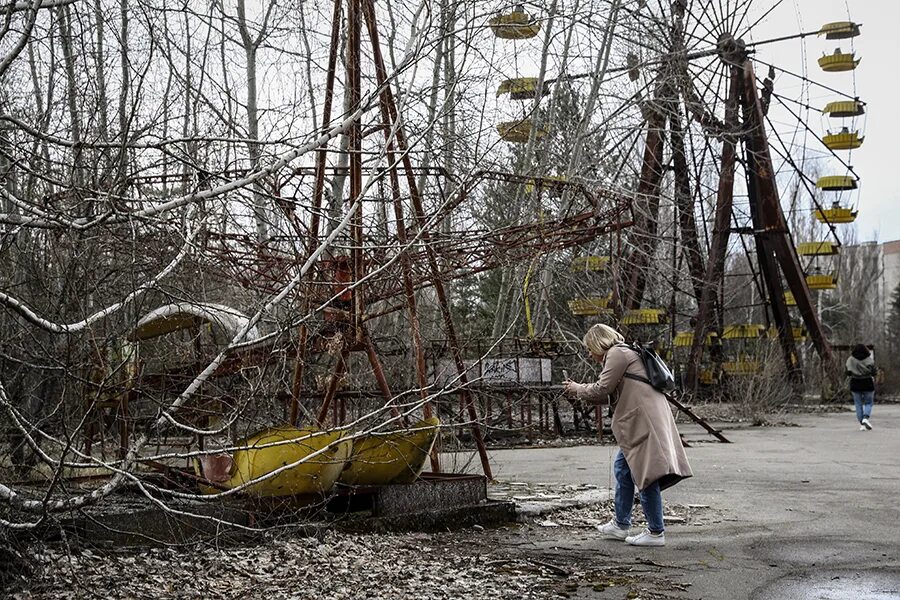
[[864, 402], [651, 498]]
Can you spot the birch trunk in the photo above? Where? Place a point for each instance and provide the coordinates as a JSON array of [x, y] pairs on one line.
[[65, 37], [260, 212]]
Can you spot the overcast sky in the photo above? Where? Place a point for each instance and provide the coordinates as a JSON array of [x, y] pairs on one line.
[[876, 79]]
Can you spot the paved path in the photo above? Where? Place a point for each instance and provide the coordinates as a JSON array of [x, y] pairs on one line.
[[810, 511]]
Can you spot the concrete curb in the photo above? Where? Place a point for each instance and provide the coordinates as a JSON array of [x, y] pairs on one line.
[[531, 509]]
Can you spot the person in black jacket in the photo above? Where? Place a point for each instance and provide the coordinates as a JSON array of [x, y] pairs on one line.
[[861, 373]]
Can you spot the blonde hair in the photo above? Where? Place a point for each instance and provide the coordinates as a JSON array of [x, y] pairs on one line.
[[600, 338]]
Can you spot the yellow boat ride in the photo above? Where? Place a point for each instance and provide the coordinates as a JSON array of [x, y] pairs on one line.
[[307, 461], [394, 457]]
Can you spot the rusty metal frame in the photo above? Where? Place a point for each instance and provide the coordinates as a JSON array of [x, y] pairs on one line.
[[772, 230], [715, 265]]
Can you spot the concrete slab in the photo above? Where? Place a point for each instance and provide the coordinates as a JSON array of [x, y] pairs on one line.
[[434, 493]]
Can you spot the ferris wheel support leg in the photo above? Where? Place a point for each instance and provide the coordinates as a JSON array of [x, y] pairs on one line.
[[646, 207], [715, 265], [683, 197], [763, 204], [683, 202], [771, 229]]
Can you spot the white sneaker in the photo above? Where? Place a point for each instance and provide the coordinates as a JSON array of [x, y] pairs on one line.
[[645, 538], [862, 428], [612, 530], [866, 424]]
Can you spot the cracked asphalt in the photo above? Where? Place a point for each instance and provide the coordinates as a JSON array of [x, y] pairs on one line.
[[805, 512]]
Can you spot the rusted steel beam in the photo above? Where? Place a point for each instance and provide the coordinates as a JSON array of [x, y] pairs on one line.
[[339, 369], [405, 267], [796, 280], [773, 222], [318, 187], [646, 209], [478, 251], [402, 238], [322, 156], [768, 267], [354, 148], [690, 242], [715, 265], [380, 378], [699, 421], [297, 380], [381, 75], [765, 206]]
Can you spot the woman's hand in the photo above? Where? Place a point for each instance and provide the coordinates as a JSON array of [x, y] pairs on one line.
[[572, 388]]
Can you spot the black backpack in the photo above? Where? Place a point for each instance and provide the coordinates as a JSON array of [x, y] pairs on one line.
[[658, 374]]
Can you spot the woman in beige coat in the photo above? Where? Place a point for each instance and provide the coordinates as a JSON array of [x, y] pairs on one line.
[[651, 454]]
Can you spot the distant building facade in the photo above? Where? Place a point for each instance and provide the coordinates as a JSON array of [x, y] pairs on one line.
[[890, 274], [868, 275]]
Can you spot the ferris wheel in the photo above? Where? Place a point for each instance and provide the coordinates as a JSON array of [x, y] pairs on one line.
[[725, 150]]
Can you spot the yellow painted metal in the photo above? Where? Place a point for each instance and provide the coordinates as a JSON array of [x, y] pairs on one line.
[[835, 215], [708, 377], [585, 307], [684, 339], [845, 140], [554, 185], [522, 88], [518, 131], [645, 316], [817, 249], [844, 109], [744, 331], [742, 367], [839, 62], [789, 299], [836, 183], [394, 457], [325, 454], [516, 25], [799, 333], [160, 327], [589, 263], [822, 281], [840, 30]]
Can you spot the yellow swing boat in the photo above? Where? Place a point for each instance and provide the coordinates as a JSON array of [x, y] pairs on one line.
[[307, 461], [391, 457]]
